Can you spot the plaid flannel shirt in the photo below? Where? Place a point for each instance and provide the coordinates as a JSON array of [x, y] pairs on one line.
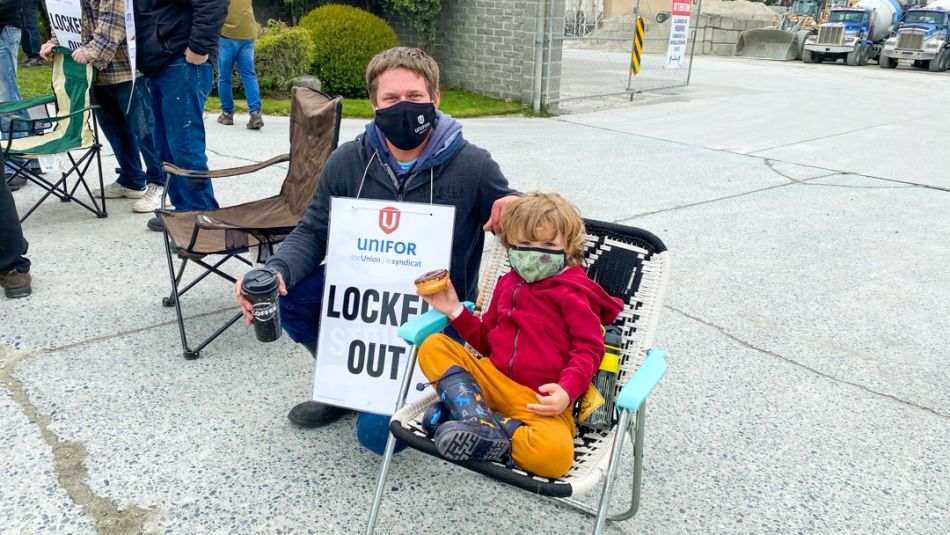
[[103, 36]]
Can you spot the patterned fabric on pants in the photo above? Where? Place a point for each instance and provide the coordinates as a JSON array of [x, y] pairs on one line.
[[544, 445]]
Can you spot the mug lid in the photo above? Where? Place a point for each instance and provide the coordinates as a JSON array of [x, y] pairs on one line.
[[260, 281]]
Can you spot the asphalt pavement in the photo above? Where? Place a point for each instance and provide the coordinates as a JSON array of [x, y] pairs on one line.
[[807, 213]]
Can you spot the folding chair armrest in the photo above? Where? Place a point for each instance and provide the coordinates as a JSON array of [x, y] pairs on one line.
[[210, 223], [51, 119], [15, 120], [17, 105], [644, 380], [222, 173], [416, 330]]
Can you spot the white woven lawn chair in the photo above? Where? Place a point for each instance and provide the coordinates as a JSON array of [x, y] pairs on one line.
[[629, 263]]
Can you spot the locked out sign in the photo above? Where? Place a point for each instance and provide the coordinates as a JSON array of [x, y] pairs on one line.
[[65, 20], [375, 250]]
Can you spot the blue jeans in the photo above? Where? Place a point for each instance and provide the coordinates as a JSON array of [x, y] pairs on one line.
[[300, 318], [178, 100], [240, 51], [127, 124], [9, 90], [30, 36]]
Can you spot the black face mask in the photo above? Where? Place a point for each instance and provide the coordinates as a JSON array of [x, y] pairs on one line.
[[406, 124]]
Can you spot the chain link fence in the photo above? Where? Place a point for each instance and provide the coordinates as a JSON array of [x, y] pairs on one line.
[[588, 56]]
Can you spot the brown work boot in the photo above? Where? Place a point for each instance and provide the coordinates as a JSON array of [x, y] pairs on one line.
[[16, 284], [255, 122], [226, 118]]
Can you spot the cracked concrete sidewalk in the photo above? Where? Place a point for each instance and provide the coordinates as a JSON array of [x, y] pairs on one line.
[[806, 323]]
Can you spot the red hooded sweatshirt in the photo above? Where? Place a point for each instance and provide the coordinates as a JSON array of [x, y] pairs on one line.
[[548, 331]]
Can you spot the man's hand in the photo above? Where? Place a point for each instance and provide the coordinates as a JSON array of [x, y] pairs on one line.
[[497, 209], [195, 59], [553, 403], [246, 305], [80, 55], [46, 51], [446, 301]]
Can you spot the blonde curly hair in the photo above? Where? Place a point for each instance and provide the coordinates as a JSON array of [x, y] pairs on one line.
[[539, 216]]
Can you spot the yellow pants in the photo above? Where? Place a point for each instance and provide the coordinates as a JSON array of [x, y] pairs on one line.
[[544, 445]]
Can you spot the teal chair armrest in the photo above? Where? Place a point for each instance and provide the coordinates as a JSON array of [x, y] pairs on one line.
[[17, 105], [644, 380], [416, 330]]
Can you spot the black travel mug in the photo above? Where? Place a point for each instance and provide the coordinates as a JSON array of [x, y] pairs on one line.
[[260, 288]]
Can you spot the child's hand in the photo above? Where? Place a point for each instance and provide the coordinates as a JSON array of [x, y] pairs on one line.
[[446, 301], [553, 403]]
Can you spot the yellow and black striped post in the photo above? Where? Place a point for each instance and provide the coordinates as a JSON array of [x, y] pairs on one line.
[[637, 54]]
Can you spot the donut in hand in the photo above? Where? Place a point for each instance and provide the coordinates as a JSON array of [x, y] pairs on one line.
[[432, 282]]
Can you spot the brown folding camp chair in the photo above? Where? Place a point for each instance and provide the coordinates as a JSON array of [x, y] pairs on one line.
[[230, 232]]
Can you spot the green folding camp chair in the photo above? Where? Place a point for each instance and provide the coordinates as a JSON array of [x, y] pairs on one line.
[[629, 263], [73, 129]]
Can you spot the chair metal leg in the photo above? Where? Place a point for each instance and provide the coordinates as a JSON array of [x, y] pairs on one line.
[[612, 469], [102, 186], [390, 445], [173, 297], [186, 351], [601, 514]]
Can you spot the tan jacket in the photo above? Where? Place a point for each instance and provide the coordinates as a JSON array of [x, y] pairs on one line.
[[240, 23]]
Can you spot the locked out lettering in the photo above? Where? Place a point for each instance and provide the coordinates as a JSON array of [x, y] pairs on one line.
[[372, 358], [372, 306]]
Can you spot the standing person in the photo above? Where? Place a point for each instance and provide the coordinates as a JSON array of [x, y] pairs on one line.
[[540, 356], [177, 41], [411, 152], [30, 36], [237, 45], [14, 266], [125, 108], [11, 22]]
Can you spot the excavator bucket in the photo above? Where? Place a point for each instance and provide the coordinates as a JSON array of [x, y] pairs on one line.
[[771, 43]]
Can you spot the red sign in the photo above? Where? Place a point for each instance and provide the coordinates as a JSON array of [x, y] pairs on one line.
[[680, 9], [389, 219]]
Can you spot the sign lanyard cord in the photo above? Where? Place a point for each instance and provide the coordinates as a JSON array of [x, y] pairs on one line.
[[365, 171], [370, 162]]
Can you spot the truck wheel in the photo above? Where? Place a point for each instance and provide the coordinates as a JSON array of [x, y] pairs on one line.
[[865, 54], [886, 62], [807, 56], [853, 57], [939, 63]]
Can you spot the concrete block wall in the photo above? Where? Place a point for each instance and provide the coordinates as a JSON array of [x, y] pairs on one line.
[[485, 46], [717, 34]]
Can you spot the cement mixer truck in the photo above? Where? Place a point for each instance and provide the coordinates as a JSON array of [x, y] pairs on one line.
[[855, 34], [921, 37]]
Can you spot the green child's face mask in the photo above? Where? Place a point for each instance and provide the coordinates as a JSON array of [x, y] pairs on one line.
[[535, 263]]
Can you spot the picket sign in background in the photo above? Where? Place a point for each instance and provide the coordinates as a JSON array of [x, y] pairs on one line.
[[375, 250], [65, 18]]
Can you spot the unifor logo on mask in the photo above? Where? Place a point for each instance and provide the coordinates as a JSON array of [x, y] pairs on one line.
[[389, 219], [421, 119]]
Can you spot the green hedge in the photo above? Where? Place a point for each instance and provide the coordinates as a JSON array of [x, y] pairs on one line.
[[345, 39], [281, 55]]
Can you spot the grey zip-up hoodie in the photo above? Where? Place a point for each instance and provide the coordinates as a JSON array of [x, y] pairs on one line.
[[461, 174]]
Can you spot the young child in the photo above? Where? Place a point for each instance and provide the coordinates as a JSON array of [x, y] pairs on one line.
[[542, 338]]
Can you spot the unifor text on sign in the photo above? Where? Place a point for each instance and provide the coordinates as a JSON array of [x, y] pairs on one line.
[[375, 250], [65, 19], [679, 34]]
